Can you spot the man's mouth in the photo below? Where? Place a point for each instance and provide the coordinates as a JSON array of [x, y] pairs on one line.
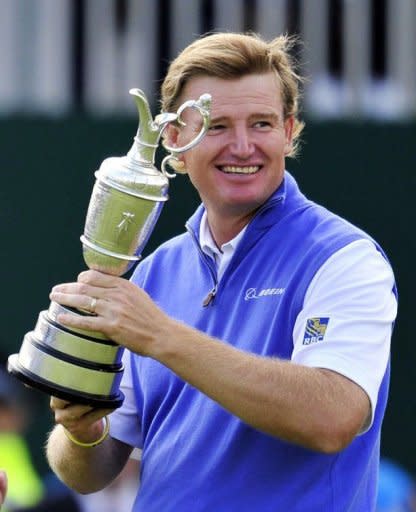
[[237, 169]]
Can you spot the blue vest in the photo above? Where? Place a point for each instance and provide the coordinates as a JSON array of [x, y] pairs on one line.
[[196, 456]]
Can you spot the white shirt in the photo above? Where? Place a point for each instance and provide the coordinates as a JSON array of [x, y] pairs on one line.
[[223, 255]]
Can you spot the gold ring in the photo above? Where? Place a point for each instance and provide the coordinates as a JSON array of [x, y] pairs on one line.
[[93, 304]]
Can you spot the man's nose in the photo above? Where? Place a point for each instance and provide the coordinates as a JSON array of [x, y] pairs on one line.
[[242, 145]]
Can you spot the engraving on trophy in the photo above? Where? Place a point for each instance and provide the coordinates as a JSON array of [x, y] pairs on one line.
[[129, 193], [125, 223]]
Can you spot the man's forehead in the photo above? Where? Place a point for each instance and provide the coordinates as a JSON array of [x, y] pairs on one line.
[[202, 84], [254, 113], [249, 95]]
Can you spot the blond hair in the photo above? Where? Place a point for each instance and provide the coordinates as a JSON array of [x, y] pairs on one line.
[[233, 55]]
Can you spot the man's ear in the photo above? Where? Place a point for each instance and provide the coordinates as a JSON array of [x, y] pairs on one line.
[[171, 135], [289, 123]]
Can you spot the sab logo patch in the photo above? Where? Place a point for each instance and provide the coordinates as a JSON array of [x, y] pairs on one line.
[[315, 330]]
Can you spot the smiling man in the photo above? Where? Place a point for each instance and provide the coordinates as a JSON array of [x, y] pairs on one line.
[[257, 362]]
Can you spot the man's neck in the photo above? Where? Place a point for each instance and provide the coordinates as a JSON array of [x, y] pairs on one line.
[[225, 229]]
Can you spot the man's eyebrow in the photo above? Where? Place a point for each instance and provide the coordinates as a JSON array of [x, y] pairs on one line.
[[218, 119], [272, 116]]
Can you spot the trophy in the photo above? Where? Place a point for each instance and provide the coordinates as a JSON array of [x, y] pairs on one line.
[[79, 365]]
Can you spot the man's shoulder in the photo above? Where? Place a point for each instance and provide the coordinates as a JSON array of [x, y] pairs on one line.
[[310, 222], [309, 219]]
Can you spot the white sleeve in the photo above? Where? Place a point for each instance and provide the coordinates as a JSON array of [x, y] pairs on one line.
[[346, 321], [125, 421]]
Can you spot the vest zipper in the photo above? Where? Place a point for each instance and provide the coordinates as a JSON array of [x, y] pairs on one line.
[[210, 297]]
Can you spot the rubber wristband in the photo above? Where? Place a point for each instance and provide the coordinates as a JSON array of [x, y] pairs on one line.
[[94, 443]]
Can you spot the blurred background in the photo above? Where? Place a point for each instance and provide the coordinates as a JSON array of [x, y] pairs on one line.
[[66, 67]]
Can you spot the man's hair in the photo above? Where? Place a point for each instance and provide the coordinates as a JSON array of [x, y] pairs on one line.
[[234, 55]]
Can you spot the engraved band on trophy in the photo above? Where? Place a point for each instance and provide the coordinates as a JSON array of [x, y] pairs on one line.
[[127, 199]]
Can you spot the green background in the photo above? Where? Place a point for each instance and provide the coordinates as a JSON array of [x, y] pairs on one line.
[[363, 171]]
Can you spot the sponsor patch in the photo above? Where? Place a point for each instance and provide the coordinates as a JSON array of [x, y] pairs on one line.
[[252, 293], [315, 330]]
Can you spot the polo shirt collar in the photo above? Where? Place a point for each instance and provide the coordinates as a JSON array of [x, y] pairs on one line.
[[207, 242]]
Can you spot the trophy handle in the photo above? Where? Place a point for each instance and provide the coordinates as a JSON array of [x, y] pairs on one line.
[[202, 105]]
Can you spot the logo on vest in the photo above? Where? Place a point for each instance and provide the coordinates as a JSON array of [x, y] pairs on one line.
[[251, 293], [315, 330]]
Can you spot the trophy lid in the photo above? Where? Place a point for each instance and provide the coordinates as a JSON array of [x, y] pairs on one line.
[[134, 177], [135, 173]]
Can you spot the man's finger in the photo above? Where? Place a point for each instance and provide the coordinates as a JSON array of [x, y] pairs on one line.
[[95, 278], [58, 403]]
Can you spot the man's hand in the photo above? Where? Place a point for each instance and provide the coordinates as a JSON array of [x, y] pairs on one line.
[[3, 487], [82, 421], [123, 312], [84, 469]]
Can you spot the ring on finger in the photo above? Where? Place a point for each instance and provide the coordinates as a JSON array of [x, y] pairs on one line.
[[93, 304]]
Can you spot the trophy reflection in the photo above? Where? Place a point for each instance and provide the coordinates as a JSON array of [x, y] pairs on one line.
[[127, 199]]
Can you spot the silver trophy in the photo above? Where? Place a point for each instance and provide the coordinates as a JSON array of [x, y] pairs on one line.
[[127, 199]]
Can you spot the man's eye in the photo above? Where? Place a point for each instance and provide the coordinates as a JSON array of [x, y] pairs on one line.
[[216, 127], [262, 124]]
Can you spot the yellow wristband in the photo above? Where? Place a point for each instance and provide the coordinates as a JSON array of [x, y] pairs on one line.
[[94, 443]]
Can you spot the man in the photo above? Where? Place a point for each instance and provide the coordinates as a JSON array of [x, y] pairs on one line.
[[256, 374]]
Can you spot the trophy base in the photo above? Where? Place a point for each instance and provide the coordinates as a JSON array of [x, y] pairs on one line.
[[75, 365], [52, 388]]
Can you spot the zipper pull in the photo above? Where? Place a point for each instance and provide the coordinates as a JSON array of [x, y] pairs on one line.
[[210, 297]]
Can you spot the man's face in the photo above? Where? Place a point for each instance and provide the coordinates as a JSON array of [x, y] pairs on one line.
[[241, 160]]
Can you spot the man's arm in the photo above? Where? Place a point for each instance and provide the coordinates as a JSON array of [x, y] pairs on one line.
[[83, 469], [313, 407], [318, 409]]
